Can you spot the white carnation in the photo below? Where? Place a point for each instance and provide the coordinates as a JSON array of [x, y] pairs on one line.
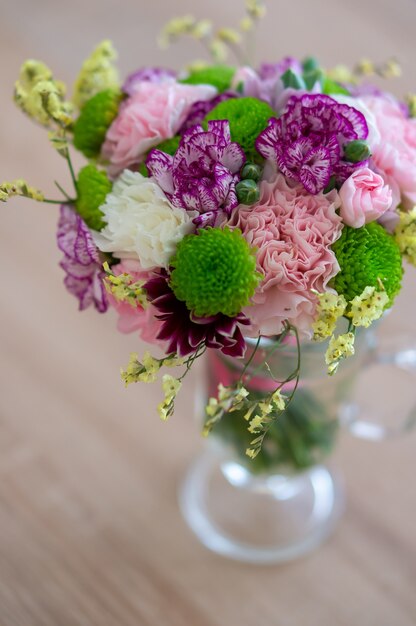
[[141, 222]]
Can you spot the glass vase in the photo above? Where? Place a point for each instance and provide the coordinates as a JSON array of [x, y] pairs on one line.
[[287, 501]]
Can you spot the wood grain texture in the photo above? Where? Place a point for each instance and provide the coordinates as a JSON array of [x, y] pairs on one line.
[[90, 531]]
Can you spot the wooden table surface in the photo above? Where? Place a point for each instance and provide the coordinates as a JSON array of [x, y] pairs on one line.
[[90, 531]]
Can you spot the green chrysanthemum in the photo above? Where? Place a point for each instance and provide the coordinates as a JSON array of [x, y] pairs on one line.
[[214, 272], [367, 256], [94, 121], [169, 146], [220, 76], [248, 117], [93, 187]]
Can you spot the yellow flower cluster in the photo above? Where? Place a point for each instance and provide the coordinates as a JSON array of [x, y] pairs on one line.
[[389, 69], [124, 288], [255, 9], [146, 371], [342, 74], [330, 308], [368, 307], [41, 97], [339, 348], [98, 72], [141, 371], [229, 399], [262, 420], [362, 311], [19, 187], [229, 36], [171, 387], [185, 25], [405, 235], [217, 43]]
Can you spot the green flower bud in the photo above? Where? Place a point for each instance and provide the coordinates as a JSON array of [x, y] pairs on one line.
[[290, 79], [251, 171], [310, 64], [313, 77], [247, 191], [357, 150]]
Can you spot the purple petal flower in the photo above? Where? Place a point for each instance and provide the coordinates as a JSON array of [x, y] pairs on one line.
[[307, 141], [146, 74], [184, 332], [203, 173], [199, 110], [81, 262]]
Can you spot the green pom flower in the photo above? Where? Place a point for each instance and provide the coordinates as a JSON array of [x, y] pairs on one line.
[[248, 117], [94, 120], [93, 187], [220, 76], [367, 256], [214, 272], [169, 146]]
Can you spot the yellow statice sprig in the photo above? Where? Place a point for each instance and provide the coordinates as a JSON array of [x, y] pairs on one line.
[[255, 9], [98, 73], [388, 69], [229, 399], [42, 97], [19, 187], [59, 141], [144, 371], [368, 306], [217, 43], [178, 27], [124, 288], [262, 416], [330, 308], [339, 348], [405, 235], [171, 387], [147, 370], [342, 74]]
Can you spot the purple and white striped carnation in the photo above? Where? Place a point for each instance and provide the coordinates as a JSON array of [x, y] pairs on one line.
[[81, 262], [199, 110], [202, 174], [307, 141]]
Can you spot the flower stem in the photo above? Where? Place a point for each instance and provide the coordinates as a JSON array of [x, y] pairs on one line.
[[69, 201]]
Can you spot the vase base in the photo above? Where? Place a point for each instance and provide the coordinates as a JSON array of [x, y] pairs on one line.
[[259, 519]]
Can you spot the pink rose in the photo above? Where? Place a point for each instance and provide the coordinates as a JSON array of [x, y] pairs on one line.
[[135, 318], [364, 198], [293, 232], [153, 113], [395, 155]]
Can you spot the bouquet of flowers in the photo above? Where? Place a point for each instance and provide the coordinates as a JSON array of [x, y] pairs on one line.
[[225, 202]]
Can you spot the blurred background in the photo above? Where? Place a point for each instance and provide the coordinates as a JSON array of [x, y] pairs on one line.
[[90, 532]]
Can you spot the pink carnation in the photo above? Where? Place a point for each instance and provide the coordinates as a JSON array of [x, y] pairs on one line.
[[364, 198], [293, 231], [135, 318], [153, 113], [395, 155]]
